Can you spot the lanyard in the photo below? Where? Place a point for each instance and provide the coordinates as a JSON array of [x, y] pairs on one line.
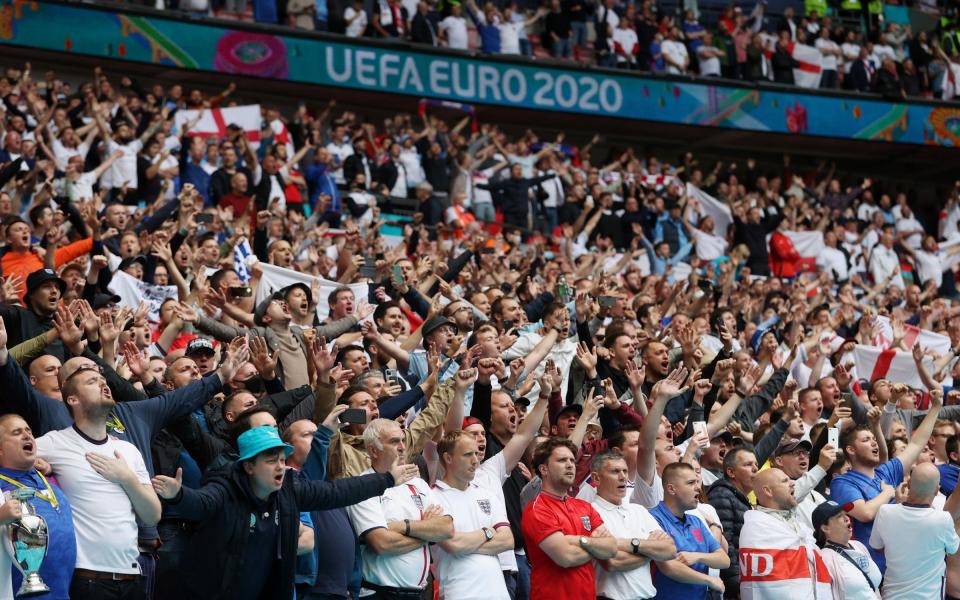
[[49, 496]]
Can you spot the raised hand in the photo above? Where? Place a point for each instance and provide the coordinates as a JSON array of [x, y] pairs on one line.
[[404, 473], [671, 385], [262, 358], [324, 359], [187, 313], [587, 358], [134, 359], [68, 331], [465, 378], [635, 374], [332, 422], [168, 487], [238, 353]]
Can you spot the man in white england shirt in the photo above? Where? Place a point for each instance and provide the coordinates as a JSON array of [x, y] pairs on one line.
[[467, 565], [915, 539], [884, 262], [396, 528], [642, 540], [675, 54], [123, 172], [108, 486], [453, 28]]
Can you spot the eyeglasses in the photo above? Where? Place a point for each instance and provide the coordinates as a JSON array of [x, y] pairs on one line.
[[82, 368]]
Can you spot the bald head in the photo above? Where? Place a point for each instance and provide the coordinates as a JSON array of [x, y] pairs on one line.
[[70, 367], [924, 483], [774, 489]]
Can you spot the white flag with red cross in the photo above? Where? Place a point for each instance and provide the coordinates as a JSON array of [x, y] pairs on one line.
[[214, 122]]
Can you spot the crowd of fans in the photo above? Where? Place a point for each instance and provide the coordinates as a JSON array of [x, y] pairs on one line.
[[857, 52], [561, 381]]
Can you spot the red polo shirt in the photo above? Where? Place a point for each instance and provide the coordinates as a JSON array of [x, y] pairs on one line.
[[543, 517]]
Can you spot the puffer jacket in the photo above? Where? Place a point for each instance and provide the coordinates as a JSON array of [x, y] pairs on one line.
[[731, 505]]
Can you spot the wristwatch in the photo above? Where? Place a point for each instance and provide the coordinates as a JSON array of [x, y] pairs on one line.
[[635, 546], [584, 542], [487, 533]]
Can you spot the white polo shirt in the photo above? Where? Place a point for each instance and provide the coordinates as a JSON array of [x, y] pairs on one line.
[[470, 576], [407, 501], [626, 521], [103, 516]]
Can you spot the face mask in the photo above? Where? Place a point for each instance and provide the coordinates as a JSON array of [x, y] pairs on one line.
[[254, 385]]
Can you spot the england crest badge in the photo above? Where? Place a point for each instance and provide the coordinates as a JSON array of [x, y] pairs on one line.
[[586, 523], [484, 506]]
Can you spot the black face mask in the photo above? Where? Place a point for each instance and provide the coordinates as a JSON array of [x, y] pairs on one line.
[[254, 385]]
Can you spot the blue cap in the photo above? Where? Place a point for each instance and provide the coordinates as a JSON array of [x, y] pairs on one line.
[[260, 439]]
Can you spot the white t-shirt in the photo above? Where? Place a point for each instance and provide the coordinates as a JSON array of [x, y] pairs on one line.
[[408, 570], [82, 188], [103, 516], [915, 541], [626, 521], [470, 576], [929, 266], [847, 581], [627, 39], [356, 26], [509, 37], [709, 246], [124, 169], [63, 153], [851, 52], [455, 29], [709, 65], [911, 223], [677, 52], [491, 476], [342, 151], [827, 61], [833, 259]]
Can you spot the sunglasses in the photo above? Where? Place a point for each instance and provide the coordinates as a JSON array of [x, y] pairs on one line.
[[81, 369]]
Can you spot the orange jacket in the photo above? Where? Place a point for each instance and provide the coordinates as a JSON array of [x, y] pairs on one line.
[[24, 263]]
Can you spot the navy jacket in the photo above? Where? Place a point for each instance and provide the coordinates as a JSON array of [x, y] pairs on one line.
[[222, 508]]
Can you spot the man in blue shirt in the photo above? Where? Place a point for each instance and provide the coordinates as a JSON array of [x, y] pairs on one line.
[[18, 452], [868, 484], [697, 551], [670, 229]]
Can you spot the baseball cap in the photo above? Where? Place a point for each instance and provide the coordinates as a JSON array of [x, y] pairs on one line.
[[468, 421], [723, 433], [139, 258], [40, 277], [260, 439], [434, 323], [198, 345], [306, 289], [570, 408], [824, 512], [788, 445], [264, 305], [101, 300]]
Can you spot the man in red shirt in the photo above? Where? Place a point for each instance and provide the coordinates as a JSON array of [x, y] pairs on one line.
[[239, 197], [563, 534]]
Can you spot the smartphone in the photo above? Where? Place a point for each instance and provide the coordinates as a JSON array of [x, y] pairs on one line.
[[487, 250], [607, 301], [390, 375], [357, 416], [241, 292], [204, 218], [507, 325], [833, 437], [368, 272], [701, 427], [397, 275], [370, 261]]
